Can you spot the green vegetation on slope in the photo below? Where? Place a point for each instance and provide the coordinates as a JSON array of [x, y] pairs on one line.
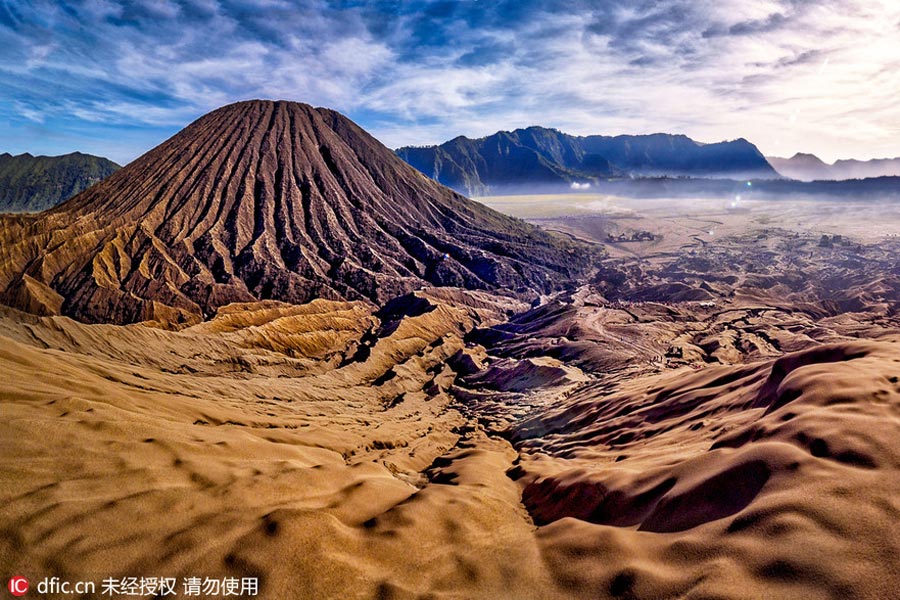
[[35, 183]]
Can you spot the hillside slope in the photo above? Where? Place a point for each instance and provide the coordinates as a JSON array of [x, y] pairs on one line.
[[35, 183], [266, 200]]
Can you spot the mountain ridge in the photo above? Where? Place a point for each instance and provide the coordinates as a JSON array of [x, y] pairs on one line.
[[31, 183], [540, 155], [809, 167]]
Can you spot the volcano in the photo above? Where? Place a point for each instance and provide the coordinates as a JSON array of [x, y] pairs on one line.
[[266, 200]]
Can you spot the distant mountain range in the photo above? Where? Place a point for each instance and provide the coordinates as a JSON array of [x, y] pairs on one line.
[[535, 160], [35, 183], [809, 167], [538, 157]]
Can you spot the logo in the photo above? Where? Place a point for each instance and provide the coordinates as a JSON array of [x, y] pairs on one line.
[[18, 586]]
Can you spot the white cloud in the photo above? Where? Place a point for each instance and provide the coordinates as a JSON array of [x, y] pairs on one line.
[[28, 112], [788, 75]]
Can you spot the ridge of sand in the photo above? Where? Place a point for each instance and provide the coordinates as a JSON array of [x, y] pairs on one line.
[[137, 451]]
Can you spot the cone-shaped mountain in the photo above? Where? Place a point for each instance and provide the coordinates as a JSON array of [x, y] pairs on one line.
[[260, 200]]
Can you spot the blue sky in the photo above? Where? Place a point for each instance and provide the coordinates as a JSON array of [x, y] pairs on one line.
[[116, 78]]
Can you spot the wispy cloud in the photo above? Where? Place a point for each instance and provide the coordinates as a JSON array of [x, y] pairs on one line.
[[788, 74]]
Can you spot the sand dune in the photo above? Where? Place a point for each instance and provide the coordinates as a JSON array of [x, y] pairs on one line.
[[135, 451], [776, 480]]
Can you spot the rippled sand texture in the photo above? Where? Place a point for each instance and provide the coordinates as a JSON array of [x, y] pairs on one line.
[[276, 441], [133, 451]]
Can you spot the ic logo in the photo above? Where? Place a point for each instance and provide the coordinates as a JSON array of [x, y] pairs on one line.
[[18, 586]]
